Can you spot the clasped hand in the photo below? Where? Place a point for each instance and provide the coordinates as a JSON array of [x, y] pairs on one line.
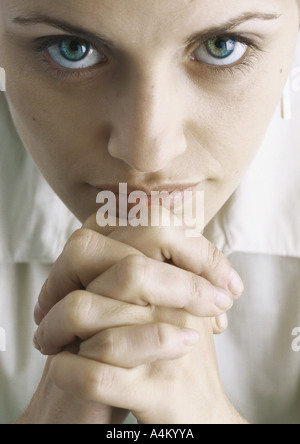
[[128, 317]]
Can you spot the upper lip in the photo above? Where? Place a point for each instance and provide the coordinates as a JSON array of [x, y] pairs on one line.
[[170, 188]]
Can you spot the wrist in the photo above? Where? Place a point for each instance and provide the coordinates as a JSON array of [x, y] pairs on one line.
[[199, 401], [225, 413], [214, 412]]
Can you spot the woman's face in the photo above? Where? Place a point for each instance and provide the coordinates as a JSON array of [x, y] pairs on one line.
[[159, 94]]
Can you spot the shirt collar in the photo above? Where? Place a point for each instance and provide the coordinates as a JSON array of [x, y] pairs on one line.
[[263, 215]]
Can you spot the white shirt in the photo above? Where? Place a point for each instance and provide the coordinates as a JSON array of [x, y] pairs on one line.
[[258, 229]]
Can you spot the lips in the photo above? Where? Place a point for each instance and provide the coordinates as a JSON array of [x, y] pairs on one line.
[[169, 188], [127, 196]]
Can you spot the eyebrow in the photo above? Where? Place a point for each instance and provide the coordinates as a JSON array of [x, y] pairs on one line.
[[232, 24], [37, 19], [98, 39]]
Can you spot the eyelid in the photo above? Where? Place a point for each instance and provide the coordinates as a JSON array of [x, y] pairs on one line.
[[241, 36], [43, 43], [252, 47], [230, 35], [41, 46], [254, 51]]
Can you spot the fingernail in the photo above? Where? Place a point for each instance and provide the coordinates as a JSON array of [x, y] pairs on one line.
[[190, 337], [236, 285], [223, 299]]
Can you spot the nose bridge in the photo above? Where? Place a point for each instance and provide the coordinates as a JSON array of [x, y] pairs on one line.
[[152, 99], [148, 130]]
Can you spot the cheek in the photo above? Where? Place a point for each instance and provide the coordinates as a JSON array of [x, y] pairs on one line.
[[34, 121], [230, 122], [238, 120], [52, 128]]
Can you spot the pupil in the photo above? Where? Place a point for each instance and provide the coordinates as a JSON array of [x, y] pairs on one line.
[[73, 50], [74, 46], [220, 44], [220, 47]]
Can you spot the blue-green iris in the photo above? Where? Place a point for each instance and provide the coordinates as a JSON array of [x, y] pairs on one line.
[[221, 47], [74, 50]]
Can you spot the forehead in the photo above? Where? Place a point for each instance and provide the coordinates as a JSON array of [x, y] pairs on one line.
[[137, 23], [146, 13]]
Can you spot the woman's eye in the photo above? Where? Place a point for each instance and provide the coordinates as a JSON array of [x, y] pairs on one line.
[[74, 54], [220, 51]]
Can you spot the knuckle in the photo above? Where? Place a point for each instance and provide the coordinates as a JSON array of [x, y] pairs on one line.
[[78, 239], [159, 334], [194, 288], [131, 272], [214, 255], [218, 263], [99, 382], [77, 306], [83, 241], [106, 345], [91, 384]]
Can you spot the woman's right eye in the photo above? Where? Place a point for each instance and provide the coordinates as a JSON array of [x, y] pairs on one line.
[[73, 53]]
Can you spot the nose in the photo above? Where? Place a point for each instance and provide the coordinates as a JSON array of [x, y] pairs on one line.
[[147, 125]]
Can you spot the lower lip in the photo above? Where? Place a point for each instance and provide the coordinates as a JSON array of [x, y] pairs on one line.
[[168, 201]]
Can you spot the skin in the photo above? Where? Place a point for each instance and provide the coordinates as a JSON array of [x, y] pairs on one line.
[[152, 116]]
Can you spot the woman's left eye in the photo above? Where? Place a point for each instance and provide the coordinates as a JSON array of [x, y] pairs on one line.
[[73, 53], [220, 51]]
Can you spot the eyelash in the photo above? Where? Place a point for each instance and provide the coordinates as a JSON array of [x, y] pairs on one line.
[[243, 66], [44, 43], [253, 53]]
